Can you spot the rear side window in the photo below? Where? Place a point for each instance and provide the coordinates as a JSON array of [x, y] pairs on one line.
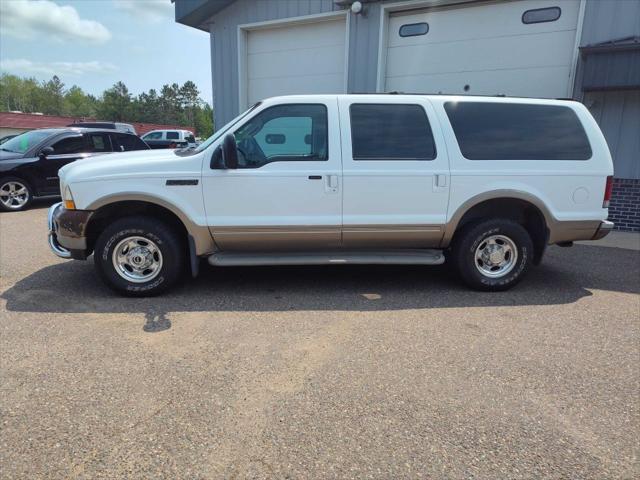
[[173, 136], [99, 142], [127, 142], [390, 132], [503, 131]]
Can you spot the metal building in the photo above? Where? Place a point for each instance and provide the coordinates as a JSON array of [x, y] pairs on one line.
[[584, 49]]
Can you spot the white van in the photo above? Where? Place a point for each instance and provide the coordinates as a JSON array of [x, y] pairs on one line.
[[170, 139], [485, 183]]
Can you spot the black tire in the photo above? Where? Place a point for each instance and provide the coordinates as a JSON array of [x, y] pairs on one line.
[[154, 231], [472, 237], [4, 185]]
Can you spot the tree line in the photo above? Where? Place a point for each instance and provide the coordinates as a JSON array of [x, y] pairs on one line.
[[174, 104]]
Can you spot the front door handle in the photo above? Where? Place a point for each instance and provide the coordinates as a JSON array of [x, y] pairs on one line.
[[315, 177]]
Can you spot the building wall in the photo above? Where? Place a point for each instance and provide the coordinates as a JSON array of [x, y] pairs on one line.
[[4, 131], [223, 28]]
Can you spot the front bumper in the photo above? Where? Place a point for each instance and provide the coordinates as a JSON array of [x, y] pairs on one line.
[[67, 232], [603, 230]]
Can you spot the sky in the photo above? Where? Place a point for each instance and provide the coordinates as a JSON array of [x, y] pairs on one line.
[[95, 43]]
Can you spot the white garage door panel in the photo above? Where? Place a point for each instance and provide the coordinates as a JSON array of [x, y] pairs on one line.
[[483, 21], [486, 47], [261, 88], [483, 54], [314, 61], [532, 82], [292, 37], [296, 59]]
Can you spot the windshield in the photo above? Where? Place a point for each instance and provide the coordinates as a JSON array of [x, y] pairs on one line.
[[204, 145], [25, 141]]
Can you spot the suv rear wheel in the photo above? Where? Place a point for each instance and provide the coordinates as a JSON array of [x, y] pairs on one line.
[[493, 255], [139, 256]]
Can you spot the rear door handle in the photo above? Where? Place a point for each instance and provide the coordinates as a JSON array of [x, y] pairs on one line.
[[315, 177]]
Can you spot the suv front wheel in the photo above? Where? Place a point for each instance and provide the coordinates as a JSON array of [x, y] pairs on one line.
[[493, 255], [139, 256]]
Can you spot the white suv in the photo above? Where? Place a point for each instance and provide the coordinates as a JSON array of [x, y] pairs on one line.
[[169, 139], [485, 182]]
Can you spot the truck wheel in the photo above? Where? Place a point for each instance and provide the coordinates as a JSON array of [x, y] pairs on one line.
[[139, 256], [15, 194], [492, 255]]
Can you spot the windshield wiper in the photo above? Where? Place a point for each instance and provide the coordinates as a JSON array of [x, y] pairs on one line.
[[7, 150]]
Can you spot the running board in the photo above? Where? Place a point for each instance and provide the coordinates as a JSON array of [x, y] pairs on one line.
[[343, 257]]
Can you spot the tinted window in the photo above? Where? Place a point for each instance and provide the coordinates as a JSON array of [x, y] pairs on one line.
[[502, 131], [99, 142], [69, 145], [283, 133], [173, 136], [128, 142], [414, 29], [541, 15], [390, 132]]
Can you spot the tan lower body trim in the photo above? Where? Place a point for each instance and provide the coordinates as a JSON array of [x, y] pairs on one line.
[[274, 238]]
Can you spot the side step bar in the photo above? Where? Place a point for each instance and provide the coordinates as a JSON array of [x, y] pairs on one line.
[[342, 257]]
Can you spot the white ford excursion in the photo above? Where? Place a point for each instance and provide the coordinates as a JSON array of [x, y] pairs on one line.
[[485, 182]]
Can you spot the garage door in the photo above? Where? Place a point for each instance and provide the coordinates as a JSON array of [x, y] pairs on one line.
[[520, 48], [296, 59]]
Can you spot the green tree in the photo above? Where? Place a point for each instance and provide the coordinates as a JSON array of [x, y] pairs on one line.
[[79, 104], [53, 100], [116, 104], [203, 120]]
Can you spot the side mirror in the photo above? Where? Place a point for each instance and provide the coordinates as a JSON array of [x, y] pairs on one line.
[[229, 152], [45, 152]]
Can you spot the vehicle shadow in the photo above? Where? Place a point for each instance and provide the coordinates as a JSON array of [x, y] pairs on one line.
[[565, 276]]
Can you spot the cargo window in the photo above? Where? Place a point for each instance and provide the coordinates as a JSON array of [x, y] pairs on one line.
[[390, 131], [512, 131], [173, 136], [414, 29], [541, 15]]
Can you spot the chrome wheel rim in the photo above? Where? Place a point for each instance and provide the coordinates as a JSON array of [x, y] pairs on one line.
[[14, 195], [137, 259], [496, 256]]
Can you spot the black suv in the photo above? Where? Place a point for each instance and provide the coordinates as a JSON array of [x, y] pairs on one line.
[[29, 163]]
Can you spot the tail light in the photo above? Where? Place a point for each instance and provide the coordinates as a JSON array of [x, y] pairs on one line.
[[608, 189]]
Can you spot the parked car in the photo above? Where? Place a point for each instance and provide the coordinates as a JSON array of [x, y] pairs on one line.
[[486, 183], [29, 163], [6, 138], [170, 139], [121, 127]]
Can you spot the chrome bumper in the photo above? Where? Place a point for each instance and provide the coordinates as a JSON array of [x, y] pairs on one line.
[[56, 248], [603, 230]]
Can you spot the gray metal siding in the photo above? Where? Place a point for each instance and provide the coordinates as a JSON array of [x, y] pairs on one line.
[[224, 43], [618, 114], [364, 35], [606, 20]]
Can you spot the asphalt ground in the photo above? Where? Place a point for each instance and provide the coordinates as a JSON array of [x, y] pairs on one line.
[[324, 372]]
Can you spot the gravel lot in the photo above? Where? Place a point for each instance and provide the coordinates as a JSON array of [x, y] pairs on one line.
[[336, 372]]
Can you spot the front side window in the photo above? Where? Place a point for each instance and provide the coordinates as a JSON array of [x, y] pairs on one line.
[[512, 131], [153, 136], [390, 132], [173, 136], [69, 145], [283, 133]]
